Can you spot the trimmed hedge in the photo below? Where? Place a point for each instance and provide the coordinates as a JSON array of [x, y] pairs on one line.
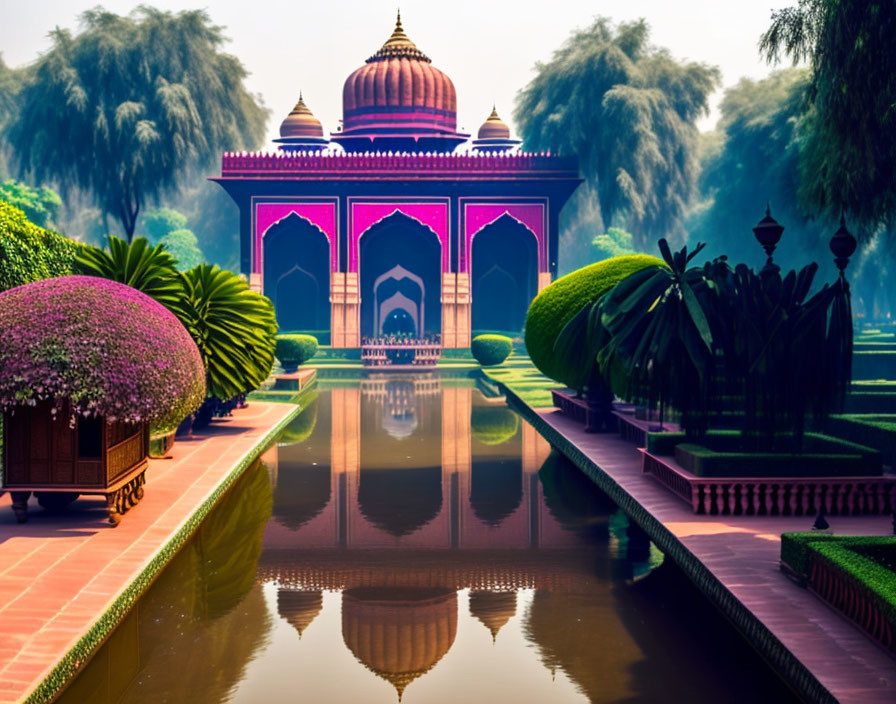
[[30, 253], [490, 350], [493, 425], [852, 556], [877, 431], [873, 364], [295, 350], [557, 304], [719, 457]]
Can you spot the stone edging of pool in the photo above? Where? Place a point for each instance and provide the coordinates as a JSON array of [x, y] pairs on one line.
[[102, 628], [785, 663]]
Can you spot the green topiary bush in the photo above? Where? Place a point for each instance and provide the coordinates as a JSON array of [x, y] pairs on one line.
[[491, 349], [293, 350], [556, 305], [30, 253]]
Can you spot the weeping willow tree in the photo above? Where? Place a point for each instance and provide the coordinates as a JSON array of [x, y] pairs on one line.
[[122, 108], [849, 47], [628, 111]]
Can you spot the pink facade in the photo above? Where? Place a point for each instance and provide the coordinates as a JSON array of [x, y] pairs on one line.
[[477, 216], [321, 215], [365, 214]]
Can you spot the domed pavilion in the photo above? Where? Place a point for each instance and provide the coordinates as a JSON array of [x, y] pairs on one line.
[[397, 223]]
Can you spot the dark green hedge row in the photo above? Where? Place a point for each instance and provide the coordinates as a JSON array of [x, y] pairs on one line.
[[491, 349], [845, 553], [719, 456], [877, 431], [867, 401]]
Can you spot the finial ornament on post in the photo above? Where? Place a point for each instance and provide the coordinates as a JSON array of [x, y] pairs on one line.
[[843, 246], [768, 234]]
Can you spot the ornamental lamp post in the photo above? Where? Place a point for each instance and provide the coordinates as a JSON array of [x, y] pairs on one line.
[[768, 234], [843, 246]]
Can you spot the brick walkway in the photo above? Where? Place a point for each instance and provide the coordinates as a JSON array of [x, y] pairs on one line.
[[59, 573], [743, 554]]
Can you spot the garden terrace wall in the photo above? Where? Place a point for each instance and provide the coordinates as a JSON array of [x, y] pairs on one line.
[[840, 571], [877, 431], [874, 364], [774, 496]]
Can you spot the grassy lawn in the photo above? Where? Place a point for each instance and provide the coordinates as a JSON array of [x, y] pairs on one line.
[[519, 375]]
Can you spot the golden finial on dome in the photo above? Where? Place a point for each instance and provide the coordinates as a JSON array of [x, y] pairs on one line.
[[301, 122], [399, 46]]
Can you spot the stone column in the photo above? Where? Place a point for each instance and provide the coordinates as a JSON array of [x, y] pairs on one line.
[[463, 310], [544, 280], [345, 455], [256, 282], [449, 310], [345, 317]]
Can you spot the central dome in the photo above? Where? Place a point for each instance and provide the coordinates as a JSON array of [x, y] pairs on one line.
[[399, 101]]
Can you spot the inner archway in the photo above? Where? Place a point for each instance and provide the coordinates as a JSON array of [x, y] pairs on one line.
[[504, 276], [400, 278], [297, 276]]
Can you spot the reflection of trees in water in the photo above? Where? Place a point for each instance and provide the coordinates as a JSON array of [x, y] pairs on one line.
[[300, 429], [400, 500], [399, 633], [493, 609], [496, 487], [571, 497], [185, 640], [582, 635], [493, 425]]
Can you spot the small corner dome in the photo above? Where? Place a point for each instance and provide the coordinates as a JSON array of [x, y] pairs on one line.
[[494, 127], [107, 348], [301, 122]]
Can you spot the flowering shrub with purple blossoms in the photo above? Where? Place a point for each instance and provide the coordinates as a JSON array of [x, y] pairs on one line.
[[109, 349]]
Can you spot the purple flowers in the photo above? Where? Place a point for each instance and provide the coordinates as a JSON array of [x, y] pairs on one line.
[[108, 348]]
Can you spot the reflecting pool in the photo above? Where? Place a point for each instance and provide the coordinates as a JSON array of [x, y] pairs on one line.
[[409, 539]]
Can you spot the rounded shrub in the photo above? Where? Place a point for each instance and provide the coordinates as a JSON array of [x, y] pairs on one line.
[[493, 425], [108, 349], [491, 349], [294, 350], [557, 304]]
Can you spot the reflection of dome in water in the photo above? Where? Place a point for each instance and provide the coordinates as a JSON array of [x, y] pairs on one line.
[[302, 493], [299, 608], [399, 634], [400, 500], [400, 425], [493, 609], [496, 488]]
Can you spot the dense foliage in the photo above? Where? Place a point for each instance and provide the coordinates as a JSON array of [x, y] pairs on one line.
[[234, 328], [30, 253], [852, 138], [557, 304], [109, 349], [690, 337], [489, 350], [40, 205], [150, 94], [183, 246], [294, 350], [628, 110], [150, 270]]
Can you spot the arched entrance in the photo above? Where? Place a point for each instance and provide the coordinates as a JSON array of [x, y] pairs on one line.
[[297, 276], [504, 277], [400, 278]]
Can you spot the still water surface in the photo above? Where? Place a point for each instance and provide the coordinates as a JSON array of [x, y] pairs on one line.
[[408, 539]]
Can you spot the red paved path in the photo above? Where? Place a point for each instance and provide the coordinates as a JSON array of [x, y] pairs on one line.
[[743, 553], [58, 574]]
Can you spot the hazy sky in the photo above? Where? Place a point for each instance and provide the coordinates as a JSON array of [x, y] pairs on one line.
[[488, 49]]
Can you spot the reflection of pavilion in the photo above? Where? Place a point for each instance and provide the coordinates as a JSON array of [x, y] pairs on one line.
[[398, 501], [416, 475]]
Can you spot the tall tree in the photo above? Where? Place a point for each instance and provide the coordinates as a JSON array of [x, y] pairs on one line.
[[850, 49], [123, 108], [628, 111]]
